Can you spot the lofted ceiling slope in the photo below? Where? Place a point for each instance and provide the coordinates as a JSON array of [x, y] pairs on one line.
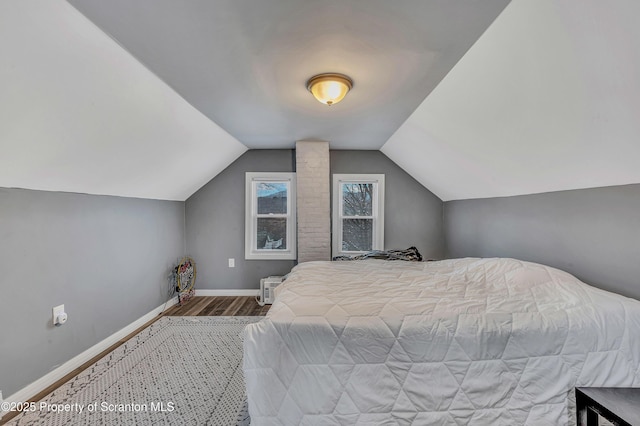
[[244, 63], [80, 114], [547, 99]]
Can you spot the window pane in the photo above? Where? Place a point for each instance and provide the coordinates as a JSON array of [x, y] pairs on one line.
[[357, 234], [272, 233], [357, 199], [272, 197]]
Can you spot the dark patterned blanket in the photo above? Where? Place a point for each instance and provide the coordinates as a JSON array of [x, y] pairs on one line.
[[411, 254]]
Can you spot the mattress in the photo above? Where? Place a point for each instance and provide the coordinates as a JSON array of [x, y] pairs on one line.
[[463, 341]]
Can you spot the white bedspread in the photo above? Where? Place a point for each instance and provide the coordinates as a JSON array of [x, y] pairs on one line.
[[465, 341]]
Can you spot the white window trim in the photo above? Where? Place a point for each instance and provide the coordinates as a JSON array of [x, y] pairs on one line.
[[377, 210], [251, 216]]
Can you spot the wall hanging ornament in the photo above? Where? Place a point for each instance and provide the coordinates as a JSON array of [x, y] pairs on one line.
[[184, 279]]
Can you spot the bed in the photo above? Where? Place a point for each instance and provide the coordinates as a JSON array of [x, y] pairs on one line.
[[463, 341]]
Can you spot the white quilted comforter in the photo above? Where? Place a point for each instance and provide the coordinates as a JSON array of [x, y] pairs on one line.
[[465, 341]]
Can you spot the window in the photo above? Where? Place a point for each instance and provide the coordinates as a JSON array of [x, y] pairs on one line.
[[270, 227], [358, 214]]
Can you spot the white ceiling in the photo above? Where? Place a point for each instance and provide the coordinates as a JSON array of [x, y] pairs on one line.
[[244, 63], [548, 98], [79, 114]]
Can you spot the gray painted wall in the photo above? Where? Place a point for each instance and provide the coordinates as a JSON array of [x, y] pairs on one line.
[[412, 213], [215, 216], [105, 258], [593, 234], [215, 224]]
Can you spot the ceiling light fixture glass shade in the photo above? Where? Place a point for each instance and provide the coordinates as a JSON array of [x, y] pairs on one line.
[[329, 88]]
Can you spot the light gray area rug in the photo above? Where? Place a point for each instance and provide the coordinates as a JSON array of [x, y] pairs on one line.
[[178, 371]]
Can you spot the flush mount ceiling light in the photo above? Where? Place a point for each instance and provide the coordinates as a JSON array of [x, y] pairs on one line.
[[329, 88]]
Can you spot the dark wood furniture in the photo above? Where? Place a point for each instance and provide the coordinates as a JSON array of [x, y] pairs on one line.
[[621, 406]]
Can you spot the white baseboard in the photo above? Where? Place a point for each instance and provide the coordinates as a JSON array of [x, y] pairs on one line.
[[50, 378], [229, 292]]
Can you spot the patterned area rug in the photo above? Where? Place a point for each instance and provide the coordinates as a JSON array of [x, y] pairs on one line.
[[178, 371]]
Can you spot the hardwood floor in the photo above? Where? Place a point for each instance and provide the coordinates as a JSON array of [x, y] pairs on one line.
[[198, 306], [219, 306]]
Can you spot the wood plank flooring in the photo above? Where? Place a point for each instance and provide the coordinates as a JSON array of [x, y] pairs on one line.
[[198, 306], [219, 306]]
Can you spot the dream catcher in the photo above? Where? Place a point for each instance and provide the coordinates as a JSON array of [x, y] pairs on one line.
[[183, 278]]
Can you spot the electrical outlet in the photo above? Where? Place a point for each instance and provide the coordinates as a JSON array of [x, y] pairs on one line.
[[57, 311], [232, 263]]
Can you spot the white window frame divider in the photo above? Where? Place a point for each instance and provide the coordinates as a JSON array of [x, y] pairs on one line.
[[251, 216], [377, 211]]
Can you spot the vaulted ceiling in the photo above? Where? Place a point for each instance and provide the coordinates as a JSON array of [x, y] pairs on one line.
[[547, 99], [244, 63], [153, 98]]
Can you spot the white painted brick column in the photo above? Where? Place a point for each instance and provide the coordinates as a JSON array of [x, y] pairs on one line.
[[314, 202]]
